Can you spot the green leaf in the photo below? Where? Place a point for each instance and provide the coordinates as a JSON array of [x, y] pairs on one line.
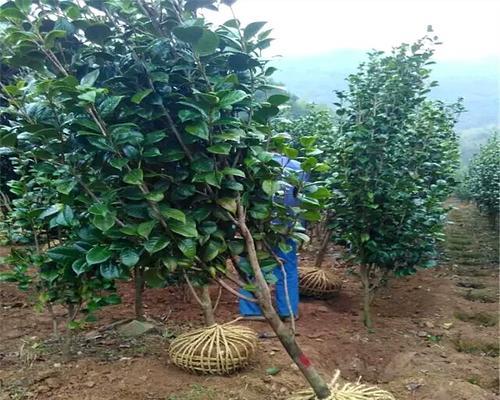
[[90, 78], [228, 204], [129, 258], [156, 244], [66, 187], [155, 196], [64, 254], [207, 43], [109, 271], [364, 237], [118, 163], [270, 187], [79, 266], [210, 251], [88, 96], [188, 34], [104, 222], [97, 33], [139, 96], [278, 99], [53, 209], [24, 5], [232, 97], [187, 229], [188, 248], [173, 213], [64, 218], [52, 36], [155, 137], [144, 229], [108, 105], [134, 177], [198, 129], [220, 148], [98, 255], [252, 28], [234, 172]]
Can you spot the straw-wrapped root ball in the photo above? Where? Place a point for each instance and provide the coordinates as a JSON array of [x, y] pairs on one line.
[[217, 349], [315, 282], [346, 391]]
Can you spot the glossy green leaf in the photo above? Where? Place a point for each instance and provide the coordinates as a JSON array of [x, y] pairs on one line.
[[144, 229], [134, 177], [129, 258], [98, 255], [186, 229], [141, 95]]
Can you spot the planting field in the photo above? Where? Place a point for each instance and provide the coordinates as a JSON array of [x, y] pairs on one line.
[[441, 344]]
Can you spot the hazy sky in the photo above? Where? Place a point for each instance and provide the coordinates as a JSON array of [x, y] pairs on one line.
[[470, 29]]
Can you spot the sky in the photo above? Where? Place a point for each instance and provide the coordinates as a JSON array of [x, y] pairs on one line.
[[469, 29]]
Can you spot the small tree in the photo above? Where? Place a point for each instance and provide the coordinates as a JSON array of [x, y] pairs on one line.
[[319, 123], [483, 179], [395, 158]]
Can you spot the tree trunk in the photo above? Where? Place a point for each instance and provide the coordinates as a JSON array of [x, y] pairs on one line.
[[285, 335], [364, 271], [323, 248], [139, 289], [68, 336], [206, 306], [55, 329]]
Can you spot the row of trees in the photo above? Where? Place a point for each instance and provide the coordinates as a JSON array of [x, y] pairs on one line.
[[145, 142], [393, 154], [482, 179]]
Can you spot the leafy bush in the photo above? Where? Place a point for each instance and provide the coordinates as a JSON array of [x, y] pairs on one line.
[[483, 180]]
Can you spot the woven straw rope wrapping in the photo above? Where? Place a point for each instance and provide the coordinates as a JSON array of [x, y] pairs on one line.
[[346, 391], [316, 282], [217, 349]]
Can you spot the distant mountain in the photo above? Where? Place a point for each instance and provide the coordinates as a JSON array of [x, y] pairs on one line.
[[314, 79]]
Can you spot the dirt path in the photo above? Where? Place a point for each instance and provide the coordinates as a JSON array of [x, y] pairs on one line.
[[436, 338]]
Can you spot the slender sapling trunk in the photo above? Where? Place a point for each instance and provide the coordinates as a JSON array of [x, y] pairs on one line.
[[364, 271], [139, 289], [285, 334], [323, 248], [206, 306]]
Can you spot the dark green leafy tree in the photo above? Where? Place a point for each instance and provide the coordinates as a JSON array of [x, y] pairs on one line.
[[150, 128], [394, 165], [318, 124], [483, 178]]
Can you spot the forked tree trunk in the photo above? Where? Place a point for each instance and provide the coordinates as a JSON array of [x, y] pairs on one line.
[[206, 306], [364, 272], [323, 248], [285, 335], [139, 289]]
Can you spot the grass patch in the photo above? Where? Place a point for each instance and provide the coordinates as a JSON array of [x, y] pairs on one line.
[[478, 318], [471, 285], [197, 392], [471, 346], [482, 296], [470, 271], [466, 261]]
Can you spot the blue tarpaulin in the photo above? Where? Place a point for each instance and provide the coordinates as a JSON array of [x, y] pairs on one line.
[[290, 261]]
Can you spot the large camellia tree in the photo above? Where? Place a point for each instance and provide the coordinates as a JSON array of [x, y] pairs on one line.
[[144, 149]]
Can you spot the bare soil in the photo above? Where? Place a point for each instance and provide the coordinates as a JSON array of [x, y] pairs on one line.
[[435, 337]]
